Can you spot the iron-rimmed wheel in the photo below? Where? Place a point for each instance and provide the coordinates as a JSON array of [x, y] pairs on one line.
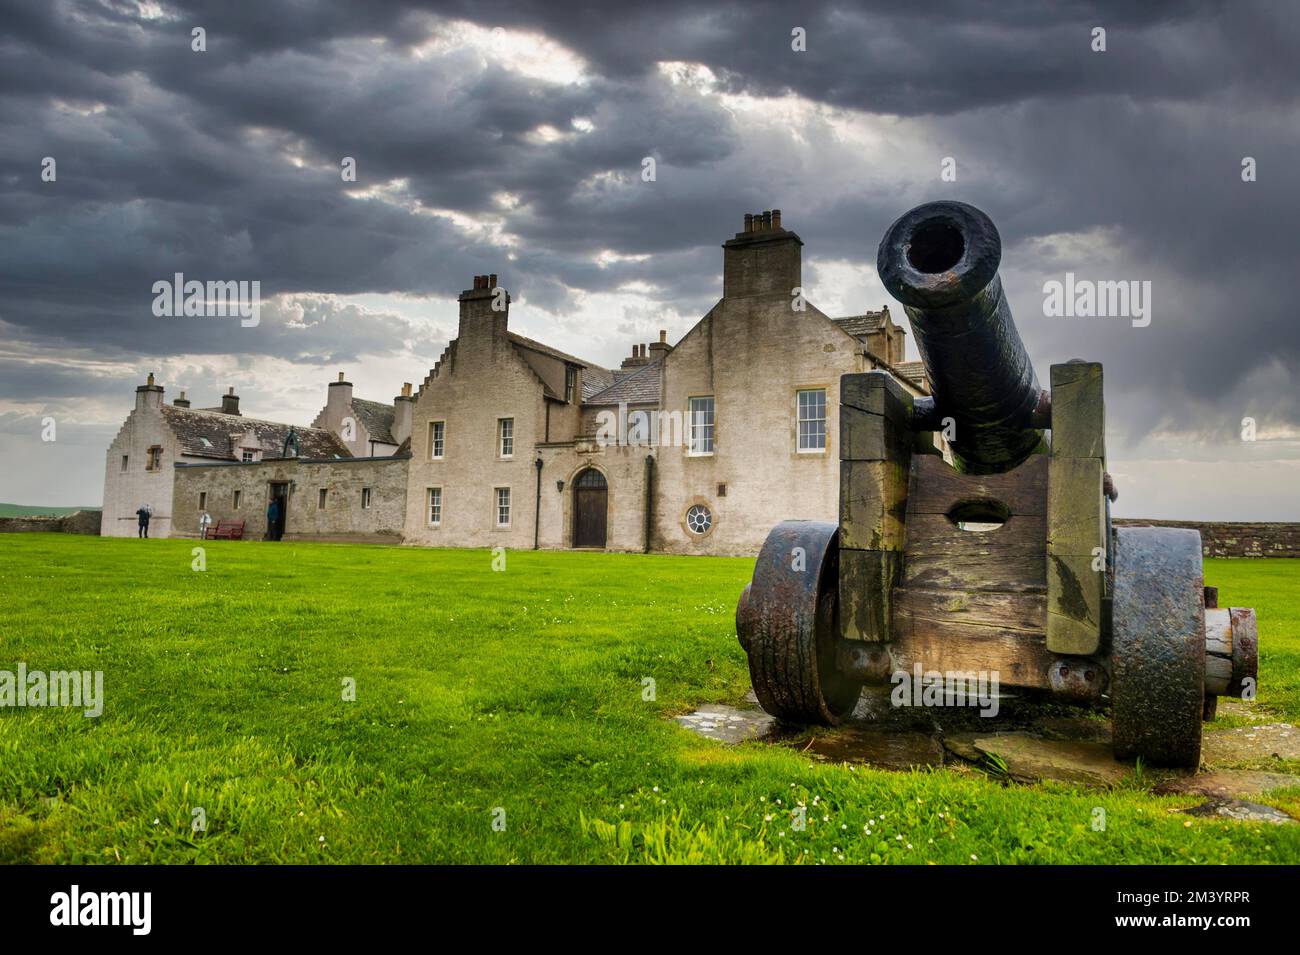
[[1157, 686], [788, 623]]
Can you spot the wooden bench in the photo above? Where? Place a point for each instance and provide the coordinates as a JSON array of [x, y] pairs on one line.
[[227, 530]]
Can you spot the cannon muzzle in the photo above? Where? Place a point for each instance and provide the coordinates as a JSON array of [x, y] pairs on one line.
[[941, 261]]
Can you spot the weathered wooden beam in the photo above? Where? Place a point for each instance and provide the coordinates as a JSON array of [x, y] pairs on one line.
[[878, 393], [1078, 410], [873, 504], [867, 580], [875, 455], [1076, 510], [970, 631], [936, 487]]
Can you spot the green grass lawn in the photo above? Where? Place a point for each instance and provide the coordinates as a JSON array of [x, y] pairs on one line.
[[476, 690]]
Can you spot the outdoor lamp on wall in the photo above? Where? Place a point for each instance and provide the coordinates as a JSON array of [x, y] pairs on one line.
[[559, 485]]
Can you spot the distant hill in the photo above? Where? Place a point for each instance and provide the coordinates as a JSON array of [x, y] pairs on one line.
[[38, 510]]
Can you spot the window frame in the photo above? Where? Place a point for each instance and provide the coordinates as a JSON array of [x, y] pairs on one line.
[[322, 498], [570, 383], [153, 458], [438, 427], [503, 423], [236, 499], [203, 500], [126, 463], [711, 426], [367, 498], [496, 506], [799, 421], [429, 505]]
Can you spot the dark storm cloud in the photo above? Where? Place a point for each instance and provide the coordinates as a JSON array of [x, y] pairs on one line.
[[175, 161]]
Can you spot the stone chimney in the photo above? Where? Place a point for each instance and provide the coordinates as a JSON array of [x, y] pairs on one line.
[[637, 358], [338, 403], [764, 259], [148, 395], [660, 348], [403, 409], [230, 402], [476, 312], [182, 401]]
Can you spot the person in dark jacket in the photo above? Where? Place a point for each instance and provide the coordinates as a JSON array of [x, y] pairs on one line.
[[144, 514], [273, 520]]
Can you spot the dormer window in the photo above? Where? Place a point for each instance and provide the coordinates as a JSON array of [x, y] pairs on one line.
[[570, 384], [247, 455]]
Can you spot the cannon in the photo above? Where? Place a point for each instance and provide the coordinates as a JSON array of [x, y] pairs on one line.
[[974, 534]]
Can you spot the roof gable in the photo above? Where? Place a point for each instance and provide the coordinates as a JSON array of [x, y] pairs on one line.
[[865, 324], [377, 418]]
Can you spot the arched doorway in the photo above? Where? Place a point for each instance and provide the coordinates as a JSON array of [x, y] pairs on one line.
[[590, 500]]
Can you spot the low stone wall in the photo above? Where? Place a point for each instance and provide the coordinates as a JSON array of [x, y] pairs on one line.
[[78, 522], [1236, 538], [326, 501]]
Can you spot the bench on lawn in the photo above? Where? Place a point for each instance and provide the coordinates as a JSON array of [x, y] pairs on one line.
[[227, 530]]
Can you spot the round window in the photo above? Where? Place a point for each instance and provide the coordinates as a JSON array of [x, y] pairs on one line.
[[699, 519]]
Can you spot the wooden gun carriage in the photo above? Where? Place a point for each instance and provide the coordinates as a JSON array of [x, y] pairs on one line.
[[1004, 561]]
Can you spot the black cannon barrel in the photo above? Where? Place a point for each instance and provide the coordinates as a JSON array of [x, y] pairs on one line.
[[941, 261]]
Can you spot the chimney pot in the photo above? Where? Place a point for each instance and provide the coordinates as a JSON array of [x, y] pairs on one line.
[[149, 382], [231, 389], [340, 376], [406, 389], [749, 222], [776, 218], [767, 219], [492, 281], [663, 335]]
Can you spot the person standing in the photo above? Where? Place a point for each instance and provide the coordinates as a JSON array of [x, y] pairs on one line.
[[204, 521], [143, 514]]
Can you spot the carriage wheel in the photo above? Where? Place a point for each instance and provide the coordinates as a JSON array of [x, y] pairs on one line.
[[1158, 646], [788, 623]]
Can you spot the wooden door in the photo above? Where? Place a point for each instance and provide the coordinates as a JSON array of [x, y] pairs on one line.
[[590, 499]]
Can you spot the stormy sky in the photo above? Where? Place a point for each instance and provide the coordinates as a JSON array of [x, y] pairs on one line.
[[509, 137]]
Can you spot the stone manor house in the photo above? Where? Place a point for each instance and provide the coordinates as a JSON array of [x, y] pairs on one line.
[[693, 448]]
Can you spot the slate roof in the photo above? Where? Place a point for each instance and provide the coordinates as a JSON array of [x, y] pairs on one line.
[[595, 380], [864, 324], [211, 434], [913, 371], [641, 386], [377, 418]]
